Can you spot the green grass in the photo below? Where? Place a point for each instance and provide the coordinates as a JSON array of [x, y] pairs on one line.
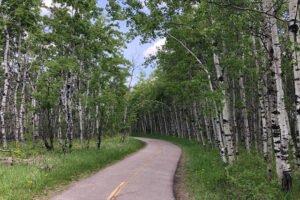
[[207, 178], [48, 170]]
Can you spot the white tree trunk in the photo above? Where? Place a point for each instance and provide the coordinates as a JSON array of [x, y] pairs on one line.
[[69, 116], [35, 117], [295, 40], [263, 122], [197, 123], [165, 122], [234, 123], [16, 113], [80, 120], [98, 127], [207, 130], [17, 122], [59, 133], [216, 122], [80, 111], [279, 119], [244, 113], [22, 106], [5, 88], [66, 98], [225, 111]]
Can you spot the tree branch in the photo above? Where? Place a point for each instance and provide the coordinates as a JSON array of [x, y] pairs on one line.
[[247, 9]]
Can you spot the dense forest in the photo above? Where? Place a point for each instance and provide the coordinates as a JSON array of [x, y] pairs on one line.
[[228, 75], [64, 75]]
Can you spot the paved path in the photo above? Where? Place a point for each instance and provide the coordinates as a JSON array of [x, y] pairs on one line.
[[145, 175]]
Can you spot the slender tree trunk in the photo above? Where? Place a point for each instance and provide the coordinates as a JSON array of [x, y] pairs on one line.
[[234, 123], [5, 88], [22, 106], [207, 130], [35, 116], [177, 120], [98, 128], [197, 122], [81, 123], [181, 123], [295, 40], [264, 123], [225, 111], [165, 122], [279, 118], [67, 103], [244, 113], [150, 122], [59, 133], [16, 116], [17, 123]]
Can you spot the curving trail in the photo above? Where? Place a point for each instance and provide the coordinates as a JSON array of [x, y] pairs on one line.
[[145, 175]]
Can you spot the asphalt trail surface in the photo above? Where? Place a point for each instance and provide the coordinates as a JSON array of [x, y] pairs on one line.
[[145, 175]]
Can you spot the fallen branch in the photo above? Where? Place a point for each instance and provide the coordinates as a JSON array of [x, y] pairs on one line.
[[8, 160], [4, 150]]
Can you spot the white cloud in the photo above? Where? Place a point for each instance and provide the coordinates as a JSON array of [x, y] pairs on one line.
[[152, 50], [49, 4], [45, 10]]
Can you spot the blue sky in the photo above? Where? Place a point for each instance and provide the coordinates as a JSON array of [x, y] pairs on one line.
[[135, 51]]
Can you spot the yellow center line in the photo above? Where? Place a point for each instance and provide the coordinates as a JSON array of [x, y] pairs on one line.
[[116, 191], [122, 185]]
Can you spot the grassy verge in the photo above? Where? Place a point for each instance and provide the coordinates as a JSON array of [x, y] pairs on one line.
[[207, 178], [45, 170]]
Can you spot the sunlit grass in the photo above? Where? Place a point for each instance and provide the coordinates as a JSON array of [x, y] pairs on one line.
[[46, 170]]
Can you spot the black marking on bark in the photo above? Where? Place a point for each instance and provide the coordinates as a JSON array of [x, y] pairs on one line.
[[294, 28], [286, 181], [275, 126], [221, 79], [276, 112]]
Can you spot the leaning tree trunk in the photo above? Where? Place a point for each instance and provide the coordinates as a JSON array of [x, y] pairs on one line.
[[216, 121]]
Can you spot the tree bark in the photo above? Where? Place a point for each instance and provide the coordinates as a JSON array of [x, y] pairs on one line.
[[279, 118], [5, 87], [244, 113], [226, 111], [295, 40]]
